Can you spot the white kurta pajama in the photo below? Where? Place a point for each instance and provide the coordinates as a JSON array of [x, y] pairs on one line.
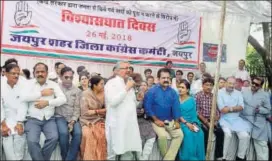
[[257, 121], [12, 111], [233, 123], [122, 130]]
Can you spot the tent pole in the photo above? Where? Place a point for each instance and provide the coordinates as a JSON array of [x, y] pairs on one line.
[[218, 61]]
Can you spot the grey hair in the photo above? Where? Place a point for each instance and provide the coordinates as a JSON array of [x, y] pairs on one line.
[[231, 77], [118, 64]]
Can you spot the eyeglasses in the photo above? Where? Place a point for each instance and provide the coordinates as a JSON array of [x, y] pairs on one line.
[[256, 84], [125, 68], [67, 77]]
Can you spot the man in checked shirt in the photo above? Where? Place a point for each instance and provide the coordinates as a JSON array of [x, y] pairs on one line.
[[204, 105]]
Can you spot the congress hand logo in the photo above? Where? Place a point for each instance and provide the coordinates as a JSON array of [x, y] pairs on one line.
[[22, 15], [183, 33]]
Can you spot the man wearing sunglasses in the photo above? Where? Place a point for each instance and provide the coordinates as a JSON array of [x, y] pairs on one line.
[[257, 108], [67, 116]]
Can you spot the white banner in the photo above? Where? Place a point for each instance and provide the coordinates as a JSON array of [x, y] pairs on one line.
[[99, 32]]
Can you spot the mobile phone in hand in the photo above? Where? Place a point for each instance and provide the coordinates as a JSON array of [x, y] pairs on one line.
[[196, 129]]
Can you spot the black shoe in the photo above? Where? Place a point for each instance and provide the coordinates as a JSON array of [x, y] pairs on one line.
[[224, 160], [237, 158], [135, 155], [118, 157]]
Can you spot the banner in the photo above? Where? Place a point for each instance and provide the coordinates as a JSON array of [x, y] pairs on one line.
[[210, 52], [99, 32]]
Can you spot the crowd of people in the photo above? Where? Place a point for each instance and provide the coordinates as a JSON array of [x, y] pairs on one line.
[[122, 117]]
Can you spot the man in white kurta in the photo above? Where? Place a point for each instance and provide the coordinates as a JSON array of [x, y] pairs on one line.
[[122, 130], [241, 72], [13, 113], [230, 103], [42, 96]]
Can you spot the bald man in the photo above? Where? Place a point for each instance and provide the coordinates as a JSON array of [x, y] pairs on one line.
[[230, 103], [122, 130]]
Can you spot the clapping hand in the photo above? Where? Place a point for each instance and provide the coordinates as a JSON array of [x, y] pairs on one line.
[[19, 128], [5, 131]]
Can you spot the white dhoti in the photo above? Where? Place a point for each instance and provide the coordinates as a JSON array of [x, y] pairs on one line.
[[244, 140], [261, 149], [14, 147]]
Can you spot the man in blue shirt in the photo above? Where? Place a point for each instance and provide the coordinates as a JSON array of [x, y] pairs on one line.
[[161, 104]]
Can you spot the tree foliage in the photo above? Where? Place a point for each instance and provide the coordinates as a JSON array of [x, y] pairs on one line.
[[252, 57], [254, 62], [264, 52]]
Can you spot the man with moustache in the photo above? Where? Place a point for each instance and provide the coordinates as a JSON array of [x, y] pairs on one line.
[[161, 104], [43, 96], [13, 113], [67, 116], [122, 130], [257, 108], [7, 62], [230, 103]]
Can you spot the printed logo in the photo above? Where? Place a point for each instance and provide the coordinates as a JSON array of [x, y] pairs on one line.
[[22, 19], [184, 33], [22, 16], [184, 47]]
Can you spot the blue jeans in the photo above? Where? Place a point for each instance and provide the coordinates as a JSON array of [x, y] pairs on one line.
[[68, 152], [33, 129]]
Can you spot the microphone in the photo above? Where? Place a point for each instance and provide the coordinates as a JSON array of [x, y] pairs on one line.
[[130, 79]]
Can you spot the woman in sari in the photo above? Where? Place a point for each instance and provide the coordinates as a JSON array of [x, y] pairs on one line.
[[93, 144], [192, 147]]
